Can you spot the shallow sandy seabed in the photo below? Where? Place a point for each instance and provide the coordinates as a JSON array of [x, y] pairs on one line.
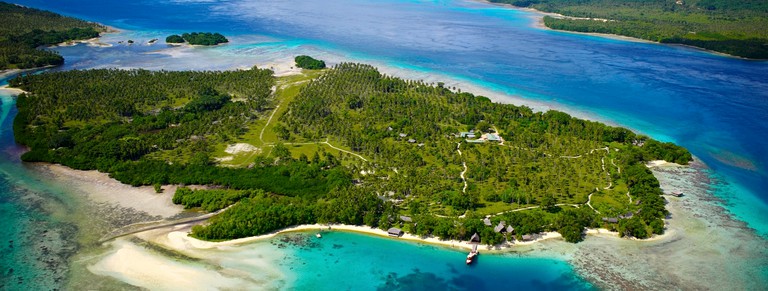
[[704, 249], [100, 188]]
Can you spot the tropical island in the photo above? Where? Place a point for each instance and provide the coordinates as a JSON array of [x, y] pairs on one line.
[[738, 28], [346, 145], [197, 38], [23, 30], [309, 63]]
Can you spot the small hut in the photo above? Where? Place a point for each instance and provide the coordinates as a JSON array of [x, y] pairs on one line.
[[510, 229], [628, 215], [475, 238], [527, 237], [487, 221], [499, 228], [395, 232], [610, 219], [406, 218]]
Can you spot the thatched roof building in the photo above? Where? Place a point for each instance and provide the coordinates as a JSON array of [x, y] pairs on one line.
[[475, 238], [395, 232]]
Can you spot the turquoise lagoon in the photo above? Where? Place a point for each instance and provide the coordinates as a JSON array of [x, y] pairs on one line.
[[714, 105]]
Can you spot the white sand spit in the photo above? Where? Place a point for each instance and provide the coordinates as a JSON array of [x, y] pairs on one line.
[[139, 267]]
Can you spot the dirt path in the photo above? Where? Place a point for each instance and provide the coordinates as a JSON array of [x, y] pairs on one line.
[[261, 135], [346, 151]]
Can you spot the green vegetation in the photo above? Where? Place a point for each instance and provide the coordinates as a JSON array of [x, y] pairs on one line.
[[739, 28], [23, 30], [197, 38], [307, 62], [346, 145], [175, 38]]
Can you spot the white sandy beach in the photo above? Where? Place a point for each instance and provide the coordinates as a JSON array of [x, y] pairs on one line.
[[12, 91]]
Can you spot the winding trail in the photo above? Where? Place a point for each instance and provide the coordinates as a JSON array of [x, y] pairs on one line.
[[261, 135], [343, 150], [617, 167], [464, 179], [589, 202]]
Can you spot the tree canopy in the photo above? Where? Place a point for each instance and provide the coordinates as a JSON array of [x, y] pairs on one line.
[[307, 62], [23, 30], [197, 38], [380, 147]]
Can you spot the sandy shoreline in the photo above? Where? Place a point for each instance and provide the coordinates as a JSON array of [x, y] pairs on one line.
[[12, 91], [94, 42], [100, 188], [667, 258]]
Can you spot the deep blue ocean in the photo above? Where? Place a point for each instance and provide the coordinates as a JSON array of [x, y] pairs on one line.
[[714, 105]]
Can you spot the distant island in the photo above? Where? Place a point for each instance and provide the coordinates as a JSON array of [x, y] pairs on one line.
[[310, 63], [197, 38], [23, 30], [347, 145], [738, 28]]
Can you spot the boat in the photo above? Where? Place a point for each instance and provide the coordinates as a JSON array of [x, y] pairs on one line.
[[318, 235], [472, 255]]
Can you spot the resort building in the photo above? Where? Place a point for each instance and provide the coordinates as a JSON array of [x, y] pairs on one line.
[[475, 238], [499, 228], [395, 232], [492, 137]]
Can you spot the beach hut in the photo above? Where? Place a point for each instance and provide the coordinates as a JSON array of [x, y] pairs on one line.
[[527, 237], [406, 218], [487, 221], [475, 238], [403, 135], [395, 232], [510, 229], [411, 140], [499, 228]]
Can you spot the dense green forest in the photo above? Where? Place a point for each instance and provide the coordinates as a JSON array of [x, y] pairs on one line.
[[402, 148], [197, 38], [23, 30], [310, 63], [739, 28]]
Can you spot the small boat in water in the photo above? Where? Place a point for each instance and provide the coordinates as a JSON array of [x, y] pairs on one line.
[[318, 235], [471, 257]]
